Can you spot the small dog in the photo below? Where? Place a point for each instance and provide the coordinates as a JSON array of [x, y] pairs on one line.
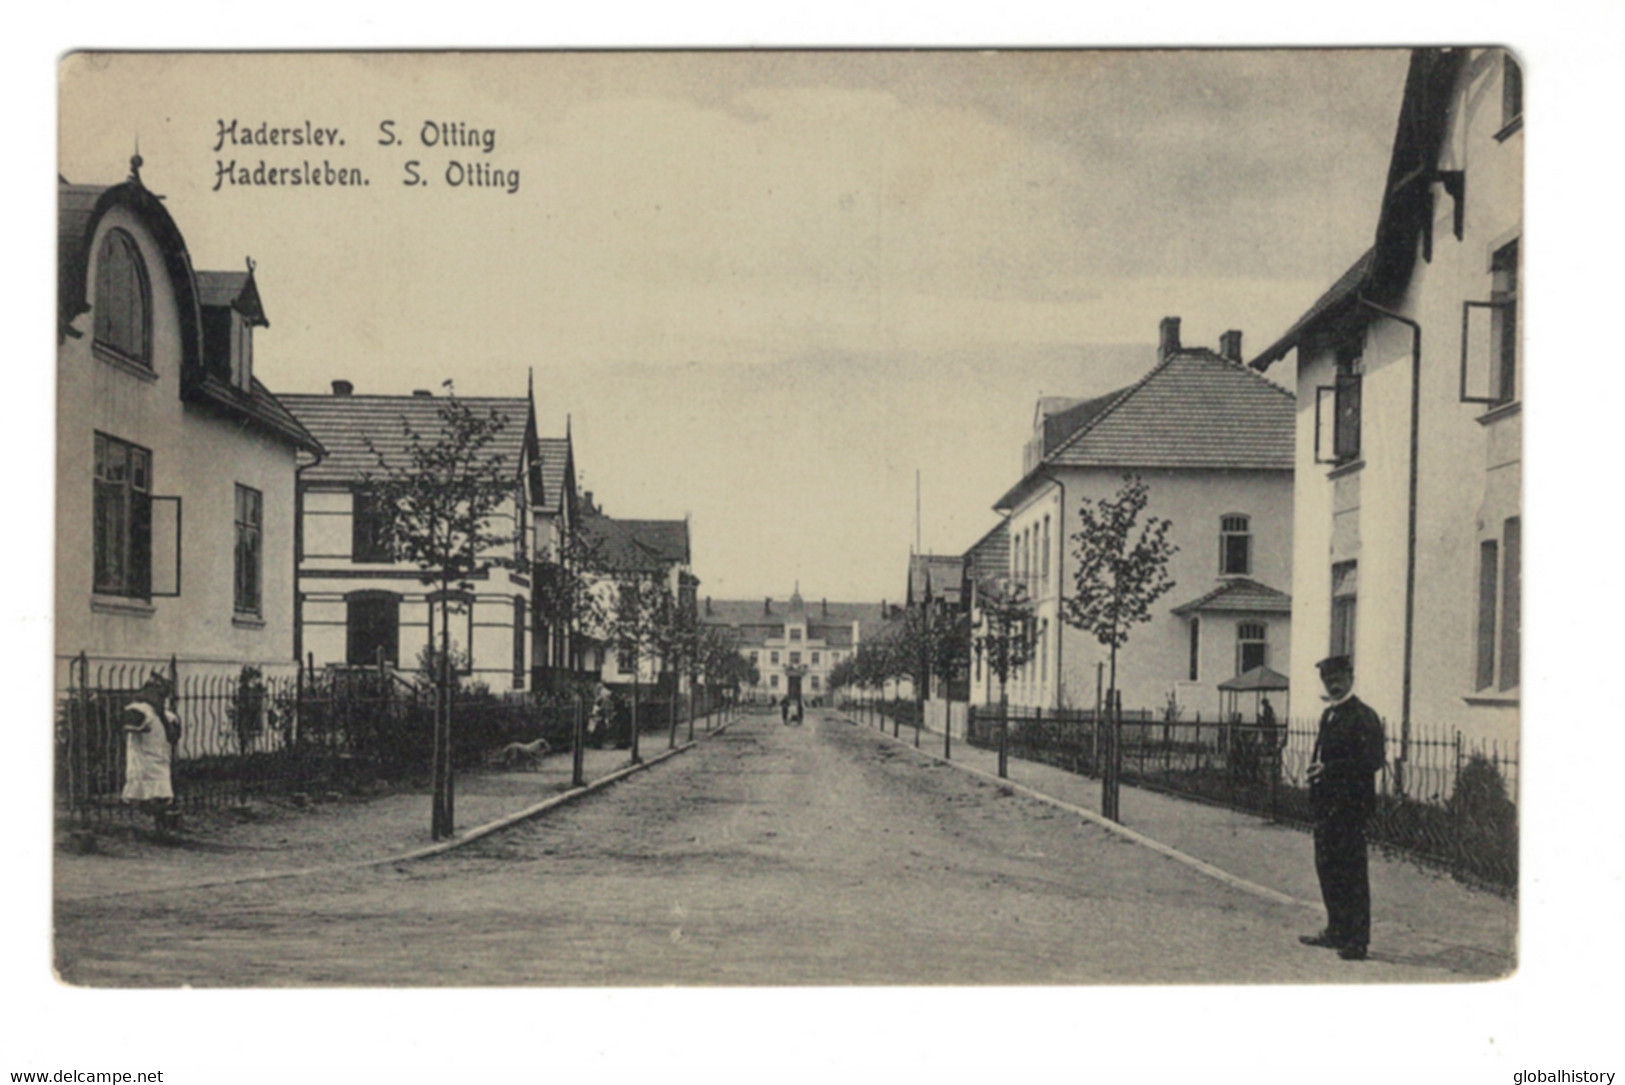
[[522, 755]]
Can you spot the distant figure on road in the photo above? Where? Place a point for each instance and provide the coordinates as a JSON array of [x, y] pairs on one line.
[[784, 709], [151, 731], [1349, 751]]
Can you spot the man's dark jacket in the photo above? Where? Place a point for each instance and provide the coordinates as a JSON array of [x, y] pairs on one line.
[[1351, 749]]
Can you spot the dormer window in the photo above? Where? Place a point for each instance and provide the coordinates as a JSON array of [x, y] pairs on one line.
[[228, 344], [123, 300]]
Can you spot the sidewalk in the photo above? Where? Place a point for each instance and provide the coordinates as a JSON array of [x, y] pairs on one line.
[[1419, 915], [277, 836]]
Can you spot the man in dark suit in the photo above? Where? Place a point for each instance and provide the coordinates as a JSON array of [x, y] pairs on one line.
[[1349, 751]]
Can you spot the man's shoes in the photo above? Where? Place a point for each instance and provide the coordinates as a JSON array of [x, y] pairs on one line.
[[1325, 939], [1354, 951]]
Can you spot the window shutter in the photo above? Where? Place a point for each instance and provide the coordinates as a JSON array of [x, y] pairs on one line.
[[1346, 441], [163, 542], [1325, 405]]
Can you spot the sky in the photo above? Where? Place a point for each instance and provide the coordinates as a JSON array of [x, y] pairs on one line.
[[765, 289]]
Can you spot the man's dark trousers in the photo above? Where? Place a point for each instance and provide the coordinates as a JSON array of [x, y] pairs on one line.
[[1345, 885]]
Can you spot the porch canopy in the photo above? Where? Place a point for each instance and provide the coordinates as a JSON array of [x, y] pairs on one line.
[[1257, 681]]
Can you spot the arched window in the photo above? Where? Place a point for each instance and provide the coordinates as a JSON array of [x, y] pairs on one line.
[[123, 300], [1235, 546], [1251, 646]]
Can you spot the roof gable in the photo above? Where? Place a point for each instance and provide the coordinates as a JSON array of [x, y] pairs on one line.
[[1194, 410], [346, 424]]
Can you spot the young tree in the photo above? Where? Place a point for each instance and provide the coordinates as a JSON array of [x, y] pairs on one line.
[[564, 590], [445, 491], [1005, 643], [1121, 569], [638, 621]]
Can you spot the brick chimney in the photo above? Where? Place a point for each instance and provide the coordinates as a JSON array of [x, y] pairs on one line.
[[707, 606], [767, 604], [343, 388], [422, 393], [1167, 337], [1230, 345], [824, 605]]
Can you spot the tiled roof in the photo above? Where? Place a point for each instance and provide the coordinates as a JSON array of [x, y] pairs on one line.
[[636, 544], [1194, 410], [345, 424], [989, 556], [748, 612], [1061, 425], [555, 456], [1343, 290], [1241, 596], [945, 573]]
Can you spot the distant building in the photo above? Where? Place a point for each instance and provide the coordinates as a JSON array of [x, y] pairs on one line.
[[793, 646], [174, 463], [359, 605], [1409, 373], [1212, 440]]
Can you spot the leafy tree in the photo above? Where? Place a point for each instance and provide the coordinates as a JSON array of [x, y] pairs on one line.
[[1121, 569], [445, 492], [638, 622], [565, 588], [1005, 641]]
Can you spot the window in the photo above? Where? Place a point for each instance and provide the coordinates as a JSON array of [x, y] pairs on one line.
[[372, 628], [1511, 91], [1194, 671], [773, 658], [1489, 335], [1043, 560], [1345, 598], [814, 681], [755, 658], [123, 301], [1489, 570], [1337, 439], [773, 681], [1251, 646], [453, 611], [795, 633], [249, 557], [371, 529], [1511, 596], [1235, 546], [795, 659], [626, 660], [815, 658], [123, 518]]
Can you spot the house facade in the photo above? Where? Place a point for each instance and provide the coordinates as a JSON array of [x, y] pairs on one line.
[[621, 552], [359, 604], [1213, 443], [1409, 372], [174, 463]]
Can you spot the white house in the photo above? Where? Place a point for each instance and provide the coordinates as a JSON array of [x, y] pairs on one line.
[[174, 463], [621, 551], [1408, 515], [1213, 442]]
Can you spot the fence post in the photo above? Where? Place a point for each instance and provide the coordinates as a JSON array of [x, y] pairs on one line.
[[577, 742], [947, 730], [78, 726], [1004, 739]]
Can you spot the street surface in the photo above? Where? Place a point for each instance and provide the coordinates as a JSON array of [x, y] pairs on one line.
[[820, 854]]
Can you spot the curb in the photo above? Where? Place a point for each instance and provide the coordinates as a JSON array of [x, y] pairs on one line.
[[468, 837], [1200, 866]]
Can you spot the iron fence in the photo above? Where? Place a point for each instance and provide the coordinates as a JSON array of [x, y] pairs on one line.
[[1442, 799], [255, 732]]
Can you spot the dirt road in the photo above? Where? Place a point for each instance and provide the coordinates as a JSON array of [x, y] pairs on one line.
[[770, 855]]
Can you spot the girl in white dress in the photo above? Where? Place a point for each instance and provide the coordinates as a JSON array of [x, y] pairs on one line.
[[151, 730]]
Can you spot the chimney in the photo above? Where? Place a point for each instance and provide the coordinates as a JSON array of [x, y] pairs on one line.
[[1168, 337], [767, 604], [342, 388], [1230, 345], [824, 605], [423, 392], [707, 606]]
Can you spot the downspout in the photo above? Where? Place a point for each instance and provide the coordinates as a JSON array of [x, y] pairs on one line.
[[1060, 560], [1410, 534], [299, 553]]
